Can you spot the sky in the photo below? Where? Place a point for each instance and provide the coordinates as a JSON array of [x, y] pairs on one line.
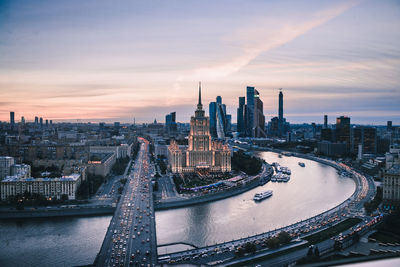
[[119, 60]]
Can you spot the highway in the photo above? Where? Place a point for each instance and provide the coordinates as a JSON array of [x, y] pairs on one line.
[[131, 239]]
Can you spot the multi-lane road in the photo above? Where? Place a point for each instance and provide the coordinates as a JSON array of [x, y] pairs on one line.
[[131, 239]]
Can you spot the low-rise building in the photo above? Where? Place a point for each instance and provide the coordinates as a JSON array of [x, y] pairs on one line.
[[101, 164], [48, 187], [21, 170]]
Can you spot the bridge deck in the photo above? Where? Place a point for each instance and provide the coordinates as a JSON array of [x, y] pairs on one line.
[[131, 237]]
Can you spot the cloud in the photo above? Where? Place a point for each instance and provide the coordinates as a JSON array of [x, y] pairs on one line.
[[266, 35]]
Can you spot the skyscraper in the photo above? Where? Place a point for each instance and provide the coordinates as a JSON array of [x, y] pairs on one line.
[[253, 119], [249, 111], [36, 120], [389, 126], [280, 114], [23, 120], [41, 122], [280, 111], [343, 130], [212, 108], [259, 118], [12, 120], [218, 118], [241, 115], [170, 122], [325, 121]]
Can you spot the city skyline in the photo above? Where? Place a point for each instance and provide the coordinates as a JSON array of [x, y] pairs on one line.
[[100, 62]]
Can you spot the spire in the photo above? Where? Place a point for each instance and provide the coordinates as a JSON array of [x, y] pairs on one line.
[[199, 105], [199, 93]]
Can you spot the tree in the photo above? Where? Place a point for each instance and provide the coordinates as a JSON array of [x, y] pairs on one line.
[[316, 252], [310, 252], [120, 190], [239, 252], [284, 237], [250, 247], [64, 197], [272, 242]]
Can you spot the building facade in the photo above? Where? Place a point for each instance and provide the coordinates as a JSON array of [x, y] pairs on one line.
[[202, 154], [391, 188], [48, 187], [367, 137], [5, 166], [343, 131]]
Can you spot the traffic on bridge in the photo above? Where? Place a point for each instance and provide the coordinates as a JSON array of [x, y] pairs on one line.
[[130, 239]]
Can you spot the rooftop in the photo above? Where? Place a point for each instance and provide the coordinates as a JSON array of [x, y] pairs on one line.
[[72, 178]]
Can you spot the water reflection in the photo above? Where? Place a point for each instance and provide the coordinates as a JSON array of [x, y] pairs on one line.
[[66, 241]]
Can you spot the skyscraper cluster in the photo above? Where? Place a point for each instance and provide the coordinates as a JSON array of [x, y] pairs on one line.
[[250, 115], [37, 120]]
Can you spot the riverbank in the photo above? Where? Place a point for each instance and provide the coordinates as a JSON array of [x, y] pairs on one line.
[[57, 212], [184, 202]]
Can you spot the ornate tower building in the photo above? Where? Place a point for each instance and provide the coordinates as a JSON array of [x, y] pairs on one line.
[[202, 153]]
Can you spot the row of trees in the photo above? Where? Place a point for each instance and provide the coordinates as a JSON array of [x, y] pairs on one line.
[[249, 164], [89, 186], [274, 242], [373, 204], [120, 166], [53, 170], [33, 199], [161, 163]]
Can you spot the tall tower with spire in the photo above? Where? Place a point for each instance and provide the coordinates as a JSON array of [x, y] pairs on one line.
[[199, 112], [202, 153]]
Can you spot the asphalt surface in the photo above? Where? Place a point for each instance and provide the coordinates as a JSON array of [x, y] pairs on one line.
[[130, 238]]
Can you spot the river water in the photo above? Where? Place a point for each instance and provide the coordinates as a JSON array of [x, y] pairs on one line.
[[76, 241]]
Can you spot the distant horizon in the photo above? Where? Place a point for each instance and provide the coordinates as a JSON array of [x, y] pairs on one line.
[[127, 121]]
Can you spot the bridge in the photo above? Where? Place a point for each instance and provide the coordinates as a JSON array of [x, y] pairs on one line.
[[131, 236]]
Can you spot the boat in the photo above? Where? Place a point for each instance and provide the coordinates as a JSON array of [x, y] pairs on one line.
[[302, 164], [262, 195], [286, 170]]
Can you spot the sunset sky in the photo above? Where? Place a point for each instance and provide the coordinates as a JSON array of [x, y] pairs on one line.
[[116, 60]]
